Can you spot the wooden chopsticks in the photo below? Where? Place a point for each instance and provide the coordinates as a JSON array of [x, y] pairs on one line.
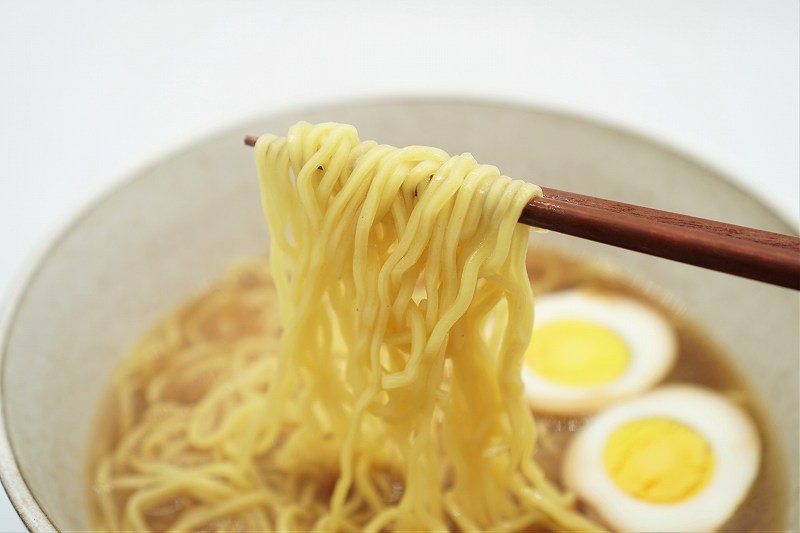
[[746, 252], [750, 253]]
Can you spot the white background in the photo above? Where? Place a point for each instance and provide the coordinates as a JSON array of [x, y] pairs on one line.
[[91, 91]]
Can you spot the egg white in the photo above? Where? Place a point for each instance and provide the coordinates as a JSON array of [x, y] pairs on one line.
[[729, 431], [650, 339]]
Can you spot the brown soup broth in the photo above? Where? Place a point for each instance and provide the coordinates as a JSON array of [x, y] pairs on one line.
[[699, 361]]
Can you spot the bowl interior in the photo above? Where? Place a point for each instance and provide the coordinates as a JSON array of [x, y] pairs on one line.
[[138, 252]]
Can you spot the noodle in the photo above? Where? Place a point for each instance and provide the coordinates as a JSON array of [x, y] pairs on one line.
[[385, 403]]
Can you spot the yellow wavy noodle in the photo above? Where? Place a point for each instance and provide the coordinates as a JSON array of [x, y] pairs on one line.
[[372, 397]]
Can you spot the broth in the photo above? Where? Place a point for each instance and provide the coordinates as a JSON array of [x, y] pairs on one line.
[[250, 311]]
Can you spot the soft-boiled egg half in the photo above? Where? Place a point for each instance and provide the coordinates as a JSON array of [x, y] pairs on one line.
[[679, 458], [588, 350]]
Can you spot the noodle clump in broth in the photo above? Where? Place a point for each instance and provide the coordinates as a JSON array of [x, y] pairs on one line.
[[384, 392]]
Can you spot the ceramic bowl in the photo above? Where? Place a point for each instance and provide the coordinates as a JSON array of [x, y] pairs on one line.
[[160, 235]]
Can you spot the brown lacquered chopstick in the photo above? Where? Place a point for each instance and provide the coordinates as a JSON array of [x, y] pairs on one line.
[[750, 253], [747, 252], [685, 221]]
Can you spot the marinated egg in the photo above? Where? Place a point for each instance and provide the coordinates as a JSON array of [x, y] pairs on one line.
[[588, 350], [681, 458]]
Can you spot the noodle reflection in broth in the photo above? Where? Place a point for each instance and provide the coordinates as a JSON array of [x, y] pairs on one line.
[[374, 396]]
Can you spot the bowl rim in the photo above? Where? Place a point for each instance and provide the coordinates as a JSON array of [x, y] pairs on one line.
[[13, 480]]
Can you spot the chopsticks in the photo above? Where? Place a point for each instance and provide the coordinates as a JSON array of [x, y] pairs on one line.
[[746, 252]]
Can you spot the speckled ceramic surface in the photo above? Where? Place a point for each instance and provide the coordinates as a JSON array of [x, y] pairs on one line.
[[159, 236]]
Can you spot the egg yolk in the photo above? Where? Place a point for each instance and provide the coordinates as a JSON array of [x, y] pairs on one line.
[[658, 460], [577, 353]]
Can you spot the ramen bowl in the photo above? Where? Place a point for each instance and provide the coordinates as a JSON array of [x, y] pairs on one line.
[[161, 235]]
